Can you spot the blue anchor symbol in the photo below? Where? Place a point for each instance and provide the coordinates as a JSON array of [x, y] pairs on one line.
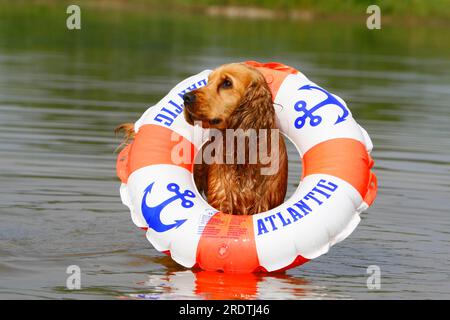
[[153, 214], [315, 120]]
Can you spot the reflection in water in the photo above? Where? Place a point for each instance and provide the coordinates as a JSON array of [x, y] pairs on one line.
[[215, 285], [176, 282], [226, 286]]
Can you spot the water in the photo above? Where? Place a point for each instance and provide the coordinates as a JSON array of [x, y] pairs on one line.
[[62, 93]]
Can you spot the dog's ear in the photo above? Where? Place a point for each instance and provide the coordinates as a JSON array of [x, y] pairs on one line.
[[128, 134], [256, 107]]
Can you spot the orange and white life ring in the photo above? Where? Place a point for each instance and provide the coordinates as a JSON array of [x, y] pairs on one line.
[[336, 186]]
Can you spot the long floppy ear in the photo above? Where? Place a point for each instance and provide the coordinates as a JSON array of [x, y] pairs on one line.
[[256, 107]]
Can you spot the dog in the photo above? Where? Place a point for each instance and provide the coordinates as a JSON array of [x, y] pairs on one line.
[[237, 97]]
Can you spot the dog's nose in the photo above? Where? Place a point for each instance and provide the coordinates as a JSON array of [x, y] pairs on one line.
[[189, 98]]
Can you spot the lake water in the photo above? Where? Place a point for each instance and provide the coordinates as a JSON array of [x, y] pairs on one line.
[[62, 92]]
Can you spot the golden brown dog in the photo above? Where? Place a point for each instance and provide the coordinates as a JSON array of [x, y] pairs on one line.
[[238, 97]]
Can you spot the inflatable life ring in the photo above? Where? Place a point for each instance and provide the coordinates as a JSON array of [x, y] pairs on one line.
[[336, 185]]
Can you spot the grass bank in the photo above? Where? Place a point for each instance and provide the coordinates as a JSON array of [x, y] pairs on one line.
[[421, 11]]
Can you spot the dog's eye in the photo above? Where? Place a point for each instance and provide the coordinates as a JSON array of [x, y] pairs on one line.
[[226, 84]]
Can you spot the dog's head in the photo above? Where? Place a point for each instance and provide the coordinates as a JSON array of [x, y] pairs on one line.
[[236, 96]]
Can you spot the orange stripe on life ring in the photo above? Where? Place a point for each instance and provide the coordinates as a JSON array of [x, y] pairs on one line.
[[153, 144], [274, 73], [343, 158], [371, 194], [228, 244], [122, 167], [272, 65]]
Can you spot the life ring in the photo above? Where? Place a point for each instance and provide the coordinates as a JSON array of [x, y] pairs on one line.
[[336, 186]]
